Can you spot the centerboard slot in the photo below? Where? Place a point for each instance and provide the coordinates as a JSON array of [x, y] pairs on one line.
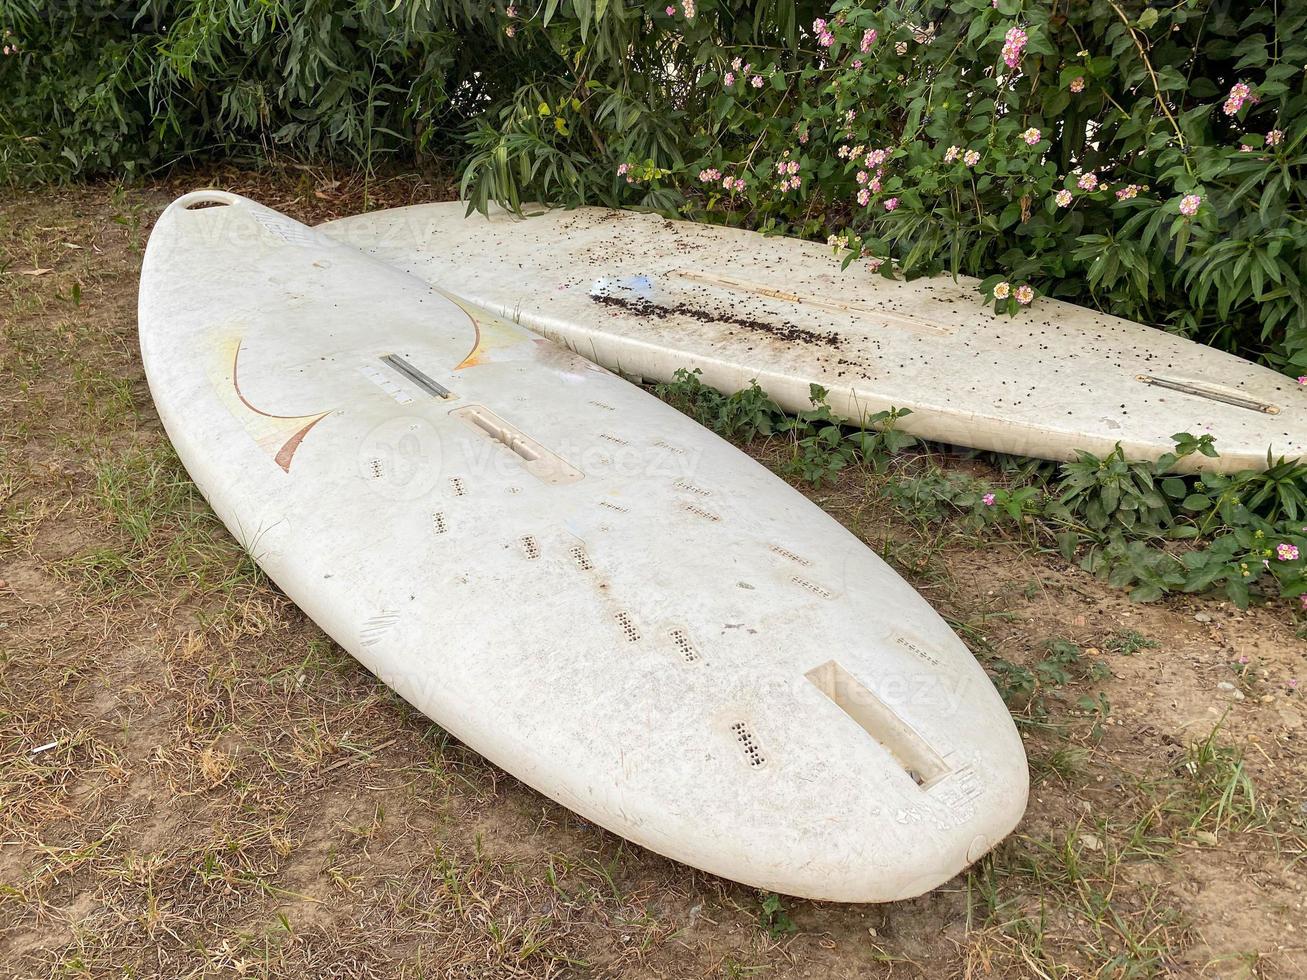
[[419, 378]]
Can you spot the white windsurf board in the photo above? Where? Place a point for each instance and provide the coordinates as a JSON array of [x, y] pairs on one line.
[[645, 297], [580, 583]]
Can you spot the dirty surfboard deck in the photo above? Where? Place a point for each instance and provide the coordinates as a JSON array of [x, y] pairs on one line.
[[586, 587], [646, 297]]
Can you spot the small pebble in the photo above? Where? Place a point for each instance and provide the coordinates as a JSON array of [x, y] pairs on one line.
[[1203, 617]]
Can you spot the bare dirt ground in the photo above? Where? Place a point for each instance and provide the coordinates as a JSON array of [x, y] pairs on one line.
[[195, 781]]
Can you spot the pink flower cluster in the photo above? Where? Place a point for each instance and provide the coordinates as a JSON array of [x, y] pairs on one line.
[[1127, 192], [1024, 293], [1286, 552], [875, 163], [789, 171], [1062, 198], [1189, 205], [871, 169], [824, 36], [1032, 136], [1275, 137], [969, 157], [1013, 44], [1088, 182], [1240, 93], [710, 176], [868, 39], [744, 68], [1078, 84]]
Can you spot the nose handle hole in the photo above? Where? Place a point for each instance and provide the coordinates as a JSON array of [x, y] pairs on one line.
[[199, 200]]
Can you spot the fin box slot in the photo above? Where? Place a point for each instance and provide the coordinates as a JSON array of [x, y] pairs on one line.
[[546, 466], [880, 721]]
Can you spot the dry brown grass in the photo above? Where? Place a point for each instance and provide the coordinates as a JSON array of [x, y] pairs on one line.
[[228, 793]]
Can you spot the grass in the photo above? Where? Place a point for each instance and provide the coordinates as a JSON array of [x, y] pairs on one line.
[[229, 793]]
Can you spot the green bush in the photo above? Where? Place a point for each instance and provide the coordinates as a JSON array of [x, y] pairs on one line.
[[99, 87], [1036, 144], [1145, 159]]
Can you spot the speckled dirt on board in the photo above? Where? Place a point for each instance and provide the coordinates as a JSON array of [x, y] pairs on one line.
[[783, 331]]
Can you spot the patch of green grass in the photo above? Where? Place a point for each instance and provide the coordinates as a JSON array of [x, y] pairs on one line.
[[1208, 793], [129, 213], [1129, 642], [1069, 905], [105, 397], [169, 541], [1069, 763], [1027, 690], [1218, 793]]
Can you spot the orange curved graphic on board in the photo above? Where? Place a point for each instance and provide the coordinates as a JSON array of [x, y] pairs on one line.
[[278, 435], [470, 360], [493, 335]]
